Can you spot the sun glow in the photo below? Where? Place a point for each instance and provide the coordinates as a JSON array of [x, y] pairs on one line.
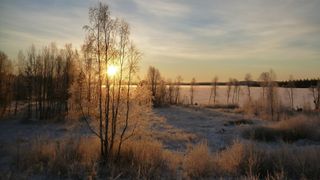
[[112, 70]]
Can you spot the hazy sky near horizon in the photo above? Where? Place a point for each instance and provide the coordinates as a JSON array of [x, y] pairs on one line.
[[201, 39]]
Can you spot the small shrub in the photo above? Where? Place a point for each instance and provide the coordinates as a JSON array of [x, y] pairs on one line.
[[289, 130], [71, 158], [253, 162], [228, 161], [250, 107], [143, 159], [287, 162], [198, 161]]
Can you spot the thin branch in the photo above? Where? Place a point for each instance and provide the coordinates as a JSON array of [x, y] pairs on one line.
[[132, 133], [87, 122]]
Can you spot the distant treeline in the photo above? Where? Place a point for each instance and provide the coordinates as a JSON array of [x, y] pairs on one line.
[[300, 83]]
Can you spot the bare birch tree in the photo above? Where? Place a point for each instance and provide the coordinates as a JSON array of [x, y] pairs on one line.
[[153, 80], [290, 91], [6, 71], [315, 90], [248, 80], [213, 90], [109, 45], [229, 87], [192, 90], [134, 56], [177, 90]]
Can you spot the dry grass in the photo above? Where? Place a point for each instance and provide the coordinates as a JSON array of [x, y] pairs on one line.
[[293, 129], [79, 159], [252, 162], [249, 161], [142, 159], [147, 159], [198, 161], [174, 136], [288, 161], [228, 161], [259, 108], [71, 158]]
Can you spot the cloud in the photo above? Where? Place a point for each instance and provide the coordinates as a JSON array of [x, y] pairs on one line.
[[24, 23], [163, 8], [182, 31]]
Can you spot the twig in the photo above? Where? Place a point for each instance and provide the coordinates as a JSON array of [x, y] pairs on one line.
[[87, 122]]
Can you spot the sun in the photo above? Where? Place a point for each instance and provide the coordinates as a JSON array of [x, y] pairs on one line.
[[112, 70]]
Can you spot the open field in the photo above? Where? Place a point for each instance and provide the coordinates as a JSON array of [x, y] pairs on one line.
[[208, 125], [216, 140]]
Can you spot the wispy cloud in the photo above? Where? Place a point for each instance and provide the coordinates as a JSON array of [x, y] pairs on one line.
[[161, 8], [208, 33]]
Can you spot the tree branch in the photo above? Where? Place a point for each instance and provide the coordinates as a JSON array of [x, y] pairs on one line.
[[87, 122]]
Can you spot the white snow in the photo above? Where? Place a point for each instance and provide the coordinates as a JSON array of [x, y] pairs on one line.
[[207, 124], [302, 96]]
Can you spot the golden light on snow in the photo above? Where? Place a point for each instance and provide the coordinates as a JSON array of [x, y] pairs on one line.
[[112, 70]]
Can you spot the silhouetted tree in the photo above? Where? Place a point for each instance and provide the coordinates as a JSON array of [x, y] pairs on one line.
[[263, 78], [97, 18], [133, 60], [290, 90], [107, 45], [269, 93], [316, 95], [153, 80], [229, 87], [192, 90], [177, 90], [248, 80], [170, 93], [213, 90], [236, 91], [6, 79]]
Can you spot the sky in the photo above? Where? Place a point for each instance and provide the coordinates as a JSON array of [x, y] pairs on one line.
[[191, 38]]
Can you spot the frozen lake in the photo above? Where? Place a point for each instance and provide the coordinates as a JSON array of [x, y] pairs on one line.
[[302, 96]]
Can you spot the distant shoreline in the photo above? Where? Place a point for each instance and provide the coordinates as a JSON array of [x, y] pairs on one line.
[[305, 83]]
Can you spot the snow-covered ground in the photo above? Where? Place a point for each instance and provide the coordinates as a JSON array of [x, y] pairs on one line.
[[302, 96], [204, 124], [176, 127], [17, 134]]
